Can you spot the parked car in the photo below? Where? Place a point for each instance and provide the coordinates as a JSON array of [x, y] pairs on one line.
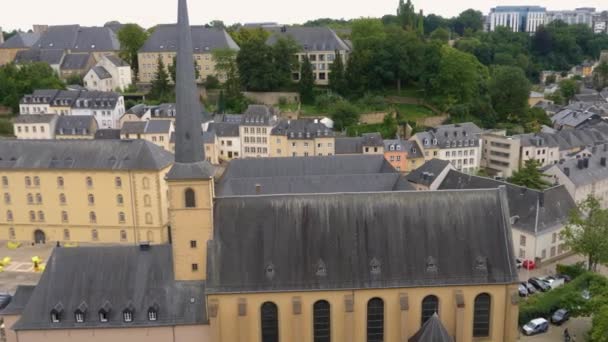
[[553, 282], [523, 290], [539, 284], [519, 262], [531, 289], [529, 264], [5, 299], [560, 316], [566, 277], [536, 326]]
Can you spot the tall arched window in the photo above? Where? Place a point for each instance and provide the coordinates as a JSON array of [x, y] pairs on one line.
[[28, 181], [39, 198], [7, 198], [321, 321], [119, 200], [62, 199], [60, 182], [92, 217], [430, 306], [146, 183], [11, 233], [4, 181], [123, 235], [30, 199], [270, 322], [118, 182], [481, 315], [41, 216], [66, 234], [150, 236], [375, 320], [89, 182], [190, 197], [121, 217], [91, 199], [9, 215]]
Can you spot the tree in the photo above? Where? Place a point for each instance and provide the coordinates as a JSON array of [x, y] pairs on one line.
[[161, 88], [307, 82], [221, 103], [74, 79], [469, 19], [568, 88], [337, 78], [173, 70], [407, 15], [226, 68], [530, 176], [218, 24], [600, 76], [132, 37], [344, 114], [587, 232], [285, 61], [509, 89], [399, 56], [441, 35], [599, 326], [15, 82]]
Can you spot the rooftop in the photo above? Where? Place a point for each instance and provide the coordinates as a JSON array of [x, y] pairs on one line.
[[204, 39], [309, 38]]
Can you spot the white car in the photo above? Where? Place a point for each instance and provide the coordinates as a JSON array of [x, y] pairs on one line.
[[536, 326], [553, 281]]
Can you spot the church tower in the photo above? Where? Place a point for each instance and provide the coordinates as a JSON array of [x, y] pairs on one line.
[[190, 180]]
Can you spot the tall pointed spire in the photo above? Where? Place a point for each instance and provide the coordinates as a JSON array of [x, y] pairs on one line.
[[188, 139]]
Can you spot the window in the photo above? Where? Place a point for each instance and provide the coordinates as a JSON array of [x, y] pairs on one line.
[[32, 216], [55, 316], [190, 198], [91, 199], [121, 217], [66, 234], [4, 181], [28, 181], [7, 198], [41, 216], [481, 315], [321, 321], [147, 201], [522, 240], [64, 216], [79, 316], [149, 218], [89, 182], [9, 215], [119, 200], [36, 181], [192, 243], [146, 183], [92, 217], [194, 267], [38, 198], [11, 233], [103, 316], [60, 182], [30, 199], [152, 314], [375, 320], [270, 322], [127, 316], [62, 199], [94, 235], [118, 182], [430, 306]]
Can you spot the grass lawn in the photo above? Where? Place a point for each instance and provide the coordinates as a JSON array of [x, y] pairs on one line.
[[6, 127], [405, 92], [412, 112]]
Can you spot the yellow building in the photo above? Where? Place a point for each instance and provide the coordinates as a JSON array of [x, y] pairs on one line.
[[301, 138], [83, 191], [157, 132], [19, 42], [254, 130]]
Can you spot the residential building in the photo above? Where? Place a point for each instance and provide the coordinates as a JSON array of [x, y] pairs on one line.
[[517, 18], [63, 101], [319, 44], [76, 39], [163, 43], [430, 175], [583, 176], [157, 132], [139, 112], [415, 156], [537, 217], [584, 16], [35, 126], [21, 41], [301, 138], [255, 129], [396, 153], [109, 74], [367, 143], [106, 107], [76, 64], [76, 127], [501, 153], [83, 191], [459, 144], [164, 111], [39, 102], [537, 148], [52, 57], [229, 141]]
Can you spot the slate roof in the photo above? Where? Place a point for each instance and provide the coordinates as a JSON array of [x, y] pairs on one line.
[[82, 154], [550, 207], [65, 98], [75, 125], [89, 275], [139, 110], [19, 301], [40, 96], [451, 136], [309, 38], [572, 118], [302, 129], [432, 331], [116, 61], [372, 139], [594, 173], [101, 72], [107, 134], [204, 40], [349, 145], [359, 240], [49, 56], [258, 115], [147, 127], [569, 139], [427, 172], [97, 100], [75, 61], [79, 39], [21, 40], [35, 118], [413, 150], [228, 118], [164, 110], [224, 129], [395, 145]]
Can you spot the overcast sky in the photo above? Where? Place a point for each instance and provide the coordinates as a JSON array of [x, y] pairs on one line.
[[23, 13]]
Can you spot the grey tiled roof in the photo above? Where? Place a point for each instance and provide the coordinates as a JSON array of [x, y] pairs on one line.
[[427, 172], [594, 173], [40, 96], [372, 139], [360, 241], [133, 127], [309, 38], [572, 118], [107, 134], [228, 118], [75, 61], [535, 211], [101, 72], [204, 40], [35, 118], [164, 110], [19, 301], [432, 331], [113, 278], [138, 109], [568, 139], [21, 40], [302, 129], [224, 129], [97, 100], [147, 127], [65, 98], [349, 145], [49, 56], [75, 125], [413, 150], [258, 115], [116, 61], [83, 154], [79, 39], [451, 136]]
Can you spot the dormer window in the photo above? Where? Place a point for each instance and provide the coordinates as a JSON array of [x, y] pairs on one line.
[[56, 313], [426, 142], [153, 312], [79, 316], [434, 141], [54, 317], [104, 312], [103, 316], [127, 316]]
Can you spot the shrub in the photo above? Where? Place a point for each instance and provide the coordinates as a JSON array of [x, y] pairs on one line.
[[372, 102], [573, 271], [323, 102], [6, 127], [344, 114], [211, 82]]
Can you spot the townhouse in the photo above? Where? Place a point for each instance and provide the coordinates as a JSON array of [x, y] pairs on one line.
[[301, 138], [255, 129], [109, 74], [157, 132]]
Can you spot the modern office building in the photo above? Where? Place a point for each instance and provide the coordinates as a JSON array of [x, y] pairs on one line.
[[517, 18]]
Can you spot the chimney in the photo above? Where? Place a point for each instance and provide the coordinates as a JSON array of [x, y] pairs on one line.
[[567, 171], [258, 189], [603, 161]]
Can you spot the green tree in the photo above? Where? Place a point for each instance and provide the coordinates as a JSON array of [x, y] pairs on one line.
[[15, 82], [599, 325], [173, 70], [132, 38], [226, 67], [600, 76], [284, 61], [221, 103], [337, 77], [407, 15], [161, 90], [568, 89], [509, 89], [344, 114], [441, 35], [74, 79], [469, 19], [307, 82], [530, 176], [587, 232]]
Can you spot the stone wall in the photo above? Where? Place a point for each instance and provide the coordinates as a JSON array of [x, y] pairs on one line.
[[272, 98]]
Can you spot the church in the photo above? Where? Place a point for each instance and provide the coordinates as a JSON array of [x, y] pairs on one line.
[[323, 249]]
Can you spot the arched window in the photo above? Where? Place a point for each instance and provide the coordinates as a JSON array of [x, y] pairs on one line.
[[41, 216], [153, 312], [94, 235], [121, 217], [39, 198], [64, 216], [32, 216], [123, 235], [60, 182], [190, 197], [481, 315], [66, 234], [36, 181], [11, 233], [150, 236], [120, 200], [28, 181], [62, 199], [7, 198], [147, 201], [375, 320], [118, 182], [9, 215], [89, 182], [92, 217], [127, 316], [321, 321], [146, 183], [430, 306], [149, 218], [91, 199], [30, 199], [270, 322]]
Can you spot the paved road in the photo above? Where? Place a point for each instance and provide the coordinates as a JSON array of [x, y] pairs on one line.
[[21, 270], [577, 327]]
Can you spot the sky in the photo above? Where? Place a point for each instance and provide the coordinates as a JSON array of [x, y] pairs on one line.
[[22, 14]]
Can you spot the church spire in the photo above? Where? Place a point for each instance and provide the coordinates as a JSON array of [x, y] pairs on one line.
[[188, 139]]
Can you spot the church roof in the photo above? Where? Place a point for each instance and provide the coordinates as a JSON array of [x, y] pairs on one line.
[[432, 331]]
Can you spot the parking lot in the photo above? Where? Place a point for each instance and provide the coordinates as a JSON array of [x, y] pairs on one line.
[[21, 269], [576, 326]]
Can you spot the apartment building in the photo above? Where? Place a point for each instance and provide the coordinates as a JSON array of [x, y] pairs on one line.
[[583, 16], [21, 41], [396, 153], [95, 191], [163, 43], [301, 138], [35, 126], [500, 153], [229, 140], [517, 18], [255, 129], [157, 132], [459, 144], [319, 44], [109, 74]]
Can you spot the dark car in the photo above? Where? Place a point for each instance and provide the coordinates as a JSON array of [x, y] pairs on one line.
[[560, 316], [5, 298], [531, 289], [539, 284], [566, 277], [523, 290]]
